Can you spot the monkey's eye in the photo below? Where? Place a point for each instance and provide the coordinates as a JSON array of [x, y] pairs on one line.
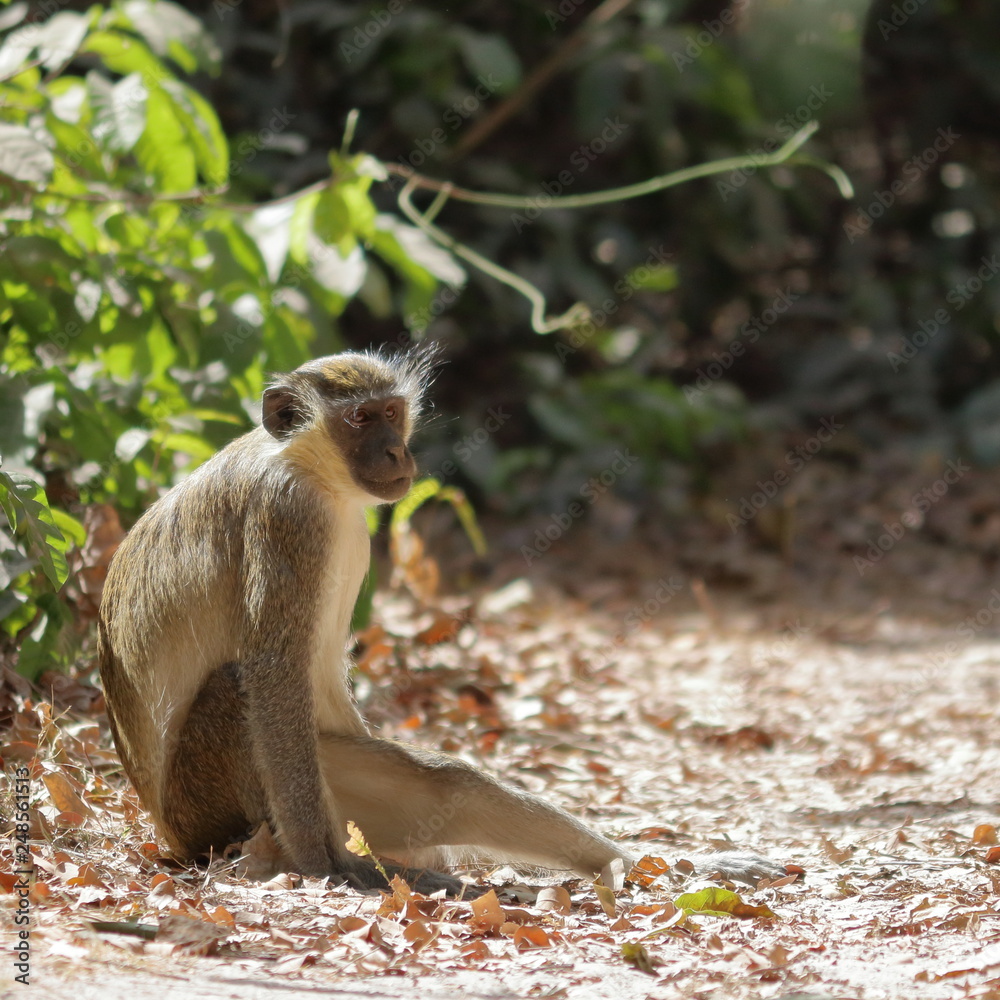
[[358, 417], [391, 412]]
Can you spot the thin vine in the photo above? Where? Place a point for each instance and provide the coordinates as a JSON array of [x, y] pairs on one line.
[[579, 312]]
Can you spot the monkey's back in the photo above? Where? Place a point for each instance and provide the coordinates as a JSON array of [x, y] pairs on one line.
[[173, 607]]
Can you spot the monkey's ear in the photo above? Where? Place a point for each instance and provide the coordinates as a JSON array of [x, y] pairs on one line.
[[282, 411]]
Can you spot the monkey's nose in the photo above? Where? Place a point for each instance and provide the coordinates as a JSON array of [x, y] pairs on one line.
[[396, 453]]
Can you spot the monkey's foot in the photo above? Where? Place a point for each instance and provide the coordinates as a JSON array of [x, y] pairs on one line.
[[420, 879], [430, 881], [737, 866]]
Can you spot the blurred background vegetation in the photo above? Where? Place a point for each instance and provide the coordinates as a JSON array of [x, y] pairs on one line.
[[180, 214]]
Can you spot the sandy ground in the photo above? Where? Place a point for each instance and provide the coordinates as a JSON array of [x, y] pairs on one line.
[[860, 746]]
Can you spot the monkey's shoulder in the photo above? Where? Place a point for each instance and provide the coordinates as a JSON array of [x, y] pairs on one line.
[[249, 472]]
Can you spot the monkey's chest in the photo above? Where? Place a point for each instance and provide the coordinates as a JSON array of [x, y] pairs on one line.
[[335, 709]]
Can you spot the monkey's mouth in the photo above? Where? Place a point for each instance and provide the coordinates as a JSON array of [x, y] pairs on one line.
[[388, 489]]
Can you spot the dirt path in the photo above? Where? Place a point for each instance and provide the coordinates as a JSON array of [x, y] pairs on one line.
[[862, 748]]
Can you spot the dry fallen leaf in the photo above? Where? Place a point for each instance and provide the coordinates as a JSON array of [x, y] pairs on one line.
[[554, 899], [647, 870], [985, 833], [65, 793], [487, 913], [531, 936], [606, 898], [635, 954]]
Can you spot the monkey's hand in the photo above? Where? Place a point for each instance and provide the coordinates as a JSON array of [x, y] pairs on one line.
[[736, 866]]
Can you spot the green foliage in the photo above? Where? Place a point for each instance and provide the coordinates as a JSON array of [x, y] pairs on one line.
[[45, 536], [651, 414], [28, 512], [142, 301], [432, 489]]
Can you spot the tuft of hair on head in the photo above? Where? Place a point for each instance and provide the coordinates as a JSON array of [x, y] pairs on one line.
[[407, 373], [416, 369], [292, 400]]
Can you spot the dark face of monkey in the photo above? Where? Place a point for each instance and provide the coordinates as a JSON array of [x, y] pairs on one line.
[[366, 405], [370, 436]]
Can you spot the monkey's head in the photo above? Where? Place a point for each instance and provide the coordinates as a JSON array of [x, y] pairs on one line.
[[365, 405]]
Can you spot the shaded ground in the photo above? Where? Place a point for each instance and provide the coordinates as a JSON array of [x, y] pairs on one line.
[[839, 721]]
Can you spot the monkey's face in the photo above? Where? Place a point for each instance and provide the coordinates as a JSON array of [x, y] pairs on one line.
[[365, 405], [371, 439]]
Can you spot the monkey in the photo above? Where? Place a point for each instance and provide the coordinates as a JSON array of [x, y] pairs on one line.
[[222, 646]]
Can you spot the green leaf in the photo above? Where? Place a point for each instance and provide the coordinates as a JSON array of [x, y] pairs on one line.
[[128, 229], [119, 110], [427, 489], [72, 529], [335, 271], [269, 229], [418, 261], [189, 444], [332, 218], [302, 225], [718, 902], [28, 512], [162, 150], [420, 492], [51, 640], [24, 154], [489, 58], [363, 606], [418, 248], [172, 31], [345, 207], [658, 278], [236, 258], [76, 148], [53, 42], [466, 516], [124, 54], [199, 121], [14, 14]]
